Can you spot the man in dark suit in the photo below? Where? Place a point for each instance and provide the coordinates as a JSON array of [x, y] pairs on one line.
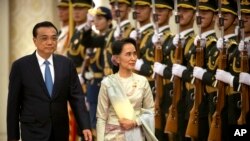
[[40, 85]]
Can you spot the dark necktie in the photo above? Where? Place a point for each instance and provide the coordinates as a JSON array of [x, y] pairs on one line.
[[48, 78]]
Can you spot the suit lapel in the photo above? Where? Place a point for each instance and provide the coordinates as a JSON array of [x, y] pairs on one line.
[[37, 73], [57, 67]]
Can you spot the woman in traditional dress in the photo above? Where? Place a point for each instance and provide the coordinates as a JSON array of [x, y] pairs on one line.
[[125, 110]]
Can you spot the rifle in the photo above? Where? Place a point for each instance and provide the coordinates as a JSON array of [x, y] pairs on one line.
[[215, 128], [158, 78], [85, 66], [243, 88], [193, 122], [138, 36], [172, 119]]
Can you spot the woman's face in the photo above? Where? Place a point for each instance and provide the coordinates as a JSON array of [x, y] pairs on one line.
[[101, 23], [127, 58]]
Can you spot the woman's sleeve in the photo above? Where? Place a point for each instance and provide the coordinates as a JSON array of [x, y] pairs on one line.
[[102, 112], [147, 104]]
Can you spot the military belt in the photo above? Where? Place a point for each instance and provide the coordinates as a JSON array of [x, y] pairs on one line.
[[230, 91], [98, 75], [189, 86], [210, 89], [166, 81]]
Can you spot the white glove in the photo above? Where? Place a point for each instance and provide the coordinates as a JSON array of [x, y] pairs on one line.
[[176, 39], [219, 43], [198, 72], [178, 69], [202, 41], [244, 78], [80, 78], [159, 68], [88, 25], [117, 33], [89, 75], [241, 45], [224, 76], [138, 64], [155, 38], [133, 35]]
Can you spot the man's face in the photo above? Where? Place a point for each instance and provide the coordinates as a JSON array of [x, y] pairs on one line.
[[45, 41], [63, 13], [163, 15], [207, 18], [229, 20], [80, 14], [143, 13], [186, 16], [123, 8], [246, 19]]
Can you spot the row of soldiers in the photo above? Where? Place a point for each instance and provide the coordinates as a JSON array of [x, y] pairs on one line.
[[203, 73]]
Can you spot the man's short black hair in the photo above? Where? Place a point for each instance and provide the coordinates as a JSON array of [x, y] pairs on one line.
[[43, 24]]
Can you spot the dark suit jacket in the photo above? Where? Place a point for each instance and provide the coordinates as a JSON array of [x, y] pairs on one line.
[[30, 104]]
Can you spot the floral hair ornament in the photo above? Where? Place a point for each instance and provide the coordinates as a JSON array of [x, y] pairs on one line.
[[114, 61]]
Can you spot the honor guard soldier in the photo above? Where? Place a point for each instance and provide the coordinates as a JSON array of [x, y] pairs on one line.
[[163, 11], [229, 41], [186, 10], [234, 72], [62, 48], [207, 73], [63, 37], [245, 13], [93, 63], [142, 36], [229, 11], [244, 76], [120, 11], [81, 37], [206, 68]]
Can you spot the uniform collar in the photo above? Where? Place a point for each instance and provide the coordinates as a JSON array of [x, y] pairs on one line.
[[207, 33], [247, 38], [124, 22], [79, 27], [186, 32], [163, 28], [64, 31], [226, 37], [145, 27]]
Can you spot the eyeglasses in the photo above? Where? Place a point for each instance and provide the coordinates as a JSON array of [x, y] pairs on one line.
[[47, 38]]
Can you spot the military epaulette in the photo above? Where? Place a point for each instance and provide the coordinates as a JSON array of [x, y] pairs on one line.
[[147, 31], [231, 42], [127, 30], [210, 40], [166, 34], [190, 42]]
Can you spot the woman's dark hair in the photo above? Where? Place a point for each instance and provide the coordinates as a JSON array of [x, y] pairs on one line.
[[43, 24], [117, 47]]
